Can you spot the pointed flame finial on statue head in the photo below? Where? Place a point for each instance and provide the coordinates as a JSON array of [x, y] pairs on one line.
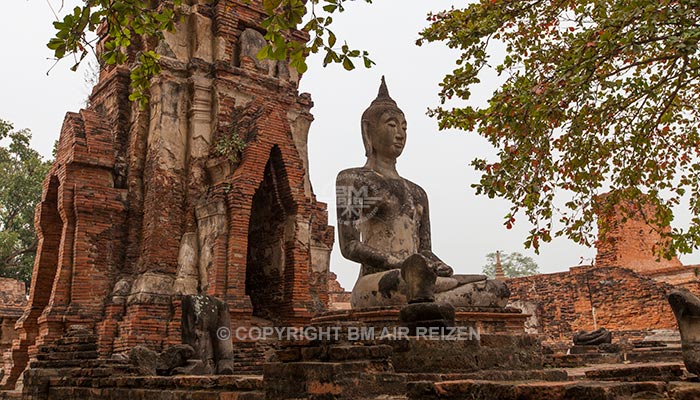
[[383, 97], [380, 105]]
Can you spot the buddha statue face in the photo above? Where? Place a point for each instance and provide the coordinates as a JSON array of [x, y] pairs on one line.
[[383, 126], [387, 134]]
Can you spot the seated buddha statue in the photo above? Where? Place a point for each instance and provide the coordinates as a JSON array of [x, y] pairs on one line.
[[384, 224]]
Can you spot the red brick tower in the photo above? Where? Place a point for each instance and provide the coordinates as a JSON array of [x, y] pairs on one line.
[[631, 241], [142, 206]]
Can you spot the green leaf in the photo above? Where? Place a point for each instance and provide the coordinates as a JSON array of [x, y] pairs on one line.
[[347, 64], [264, 53]]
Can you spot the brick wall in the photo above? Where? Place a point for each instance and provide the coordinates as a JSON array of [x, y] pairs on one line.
[[12, 293], [13, 299], [339, 298], [624, 301]]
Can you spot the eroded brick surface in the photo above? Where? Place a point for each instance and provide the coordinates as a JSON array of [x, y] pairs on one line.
[[625, 302], [12, 302], [631, 240]]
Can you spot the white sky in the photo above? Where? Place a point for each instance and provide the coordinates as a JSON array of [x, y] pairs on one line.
[[465, 227]]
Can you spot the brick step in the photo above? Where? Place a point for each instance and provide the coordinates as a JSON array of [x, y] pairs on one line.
[[382, 397], [249, 354], [655, 355], [248, 361], [79, 331], [248, 365], [650, 372], [82, 393], [251, 396], [549, 375], [348, 379], [645, 356], [253, 367], [72, 348], [334, 353], [249, 372], [99, 363], [10, 395], [68, 340], [515, 390], [56, 356], [223, 383]]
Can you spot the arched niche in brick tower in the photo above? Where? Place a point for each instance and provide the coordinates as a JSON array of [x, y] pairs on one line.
[[270, 240], [268, 262]]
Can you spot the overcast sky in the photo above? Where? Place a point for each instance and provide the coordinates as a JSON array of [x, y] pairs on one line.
[[465, 227]]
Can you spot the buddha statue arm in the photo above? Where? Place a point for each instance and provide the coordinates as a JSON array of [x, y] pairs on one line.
[[425, 246], [348, 187], [353, 249]]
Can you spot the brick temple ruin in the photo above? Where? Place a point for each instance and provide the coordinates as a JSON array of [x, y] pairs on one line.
[[13, 300], [207, 191], [141, 206], [625, 290]]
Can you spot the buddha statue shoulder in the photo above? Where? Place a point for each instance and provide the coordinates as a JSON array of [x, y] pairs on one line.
[[384, 225]]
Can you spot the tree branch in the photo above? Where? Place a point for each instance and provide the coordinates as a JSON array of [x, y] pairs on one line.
[[10, 260]]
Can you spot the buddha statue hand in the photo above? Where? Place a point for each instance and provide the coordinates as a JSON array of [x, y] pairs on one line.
[[436, 264], [420, 279], [393, 262]]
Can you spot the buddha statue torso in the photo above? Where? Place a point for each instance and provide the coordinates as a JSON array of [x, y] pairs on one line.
[[391, 216]]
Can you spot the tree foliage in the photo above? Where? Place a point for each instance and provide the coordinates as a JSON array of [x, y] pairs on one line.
[[514, 265], [131, 22], [599, 95], [127, 22], [22, 170]]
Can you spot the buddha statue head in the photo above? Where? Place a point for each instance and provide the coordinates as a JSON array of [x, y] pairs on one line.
[[383, 126]]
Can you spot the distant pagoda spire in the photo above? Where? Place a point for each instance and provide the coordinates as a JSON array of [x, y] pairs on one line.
[[500, 275]]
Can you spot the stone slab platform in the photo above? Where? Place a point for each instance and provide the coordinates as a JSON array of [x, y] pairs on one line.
[[538, 390], [150, 388], [608, 382], [638, 373], [366, 370], [549, 375], [505, 352], [642, 355], [653, 371], [412, 354], [485, 320], [374, 380]]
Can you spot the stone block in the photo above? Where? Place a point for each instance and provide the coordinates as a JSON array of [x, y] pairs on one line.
[[644, 373], [446, 356]]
